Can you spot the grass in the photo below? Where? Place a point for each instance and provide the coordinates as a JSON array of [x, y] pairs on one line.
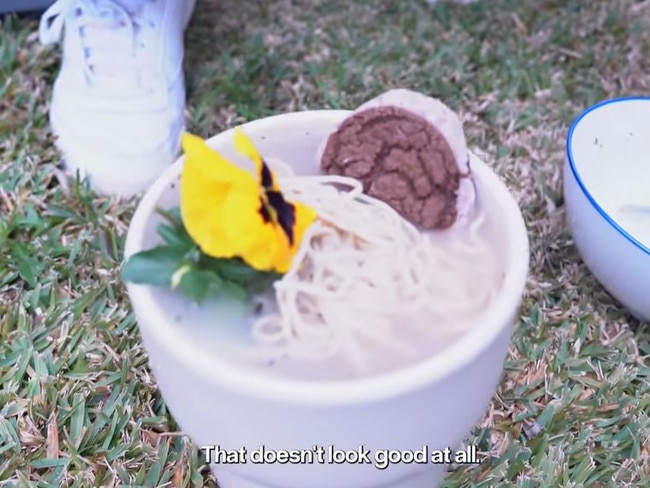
[[78, 406]]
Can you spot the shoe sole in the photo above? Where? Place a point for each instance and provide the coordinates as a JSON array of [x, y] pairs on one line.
[[120, 175]]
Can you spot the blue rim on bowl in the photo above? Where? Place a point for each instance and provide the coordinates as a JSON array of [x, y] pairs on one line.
[[576, 174]]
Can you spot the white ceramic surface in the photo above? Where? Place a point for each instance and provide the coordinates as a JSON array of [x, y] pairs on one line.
[[434, 403], [607, 196]]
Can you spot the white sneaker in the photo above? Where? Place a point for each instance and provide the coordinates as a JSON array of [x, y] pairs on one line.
[[118, 102]]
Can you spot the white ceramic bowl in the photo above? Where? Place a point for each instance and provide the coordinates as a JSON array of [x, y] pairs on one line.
[[434, 403], [607, 196]]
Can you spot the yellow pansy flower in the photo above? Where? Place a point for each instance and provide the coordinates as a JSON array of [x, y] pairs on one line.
[[229, 213]]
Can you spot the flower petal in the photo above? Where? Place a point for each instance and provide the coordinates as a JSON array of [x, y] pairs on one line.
[[213, 165], [227, 213], [244, 145], [207, 179]]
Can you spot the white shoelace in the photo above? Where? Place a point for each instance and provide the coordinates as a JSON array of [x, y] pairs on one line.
[[108, 35]]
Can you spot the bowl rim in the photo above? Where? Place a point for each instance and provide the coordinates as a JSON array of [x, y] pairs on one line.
[[576, 173], [390, 385]]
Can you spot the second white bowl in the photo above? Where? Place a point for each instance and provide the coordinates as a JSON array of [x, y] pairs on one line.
[[607, 196]]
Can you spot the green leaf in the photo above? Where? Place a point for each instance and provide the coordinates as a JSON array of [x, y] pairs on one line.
[[173, 232], [230, 269], [235, 290], [174, 237], [174, 218], [172, 215], [48, 463], [262, 283], [198, 284], [180, 264], [153, 267], [27, 265], [31, 219]]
